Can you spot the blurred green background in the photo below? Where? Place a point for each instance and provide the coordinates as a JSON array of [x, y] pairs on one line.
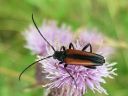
[[108, 16]]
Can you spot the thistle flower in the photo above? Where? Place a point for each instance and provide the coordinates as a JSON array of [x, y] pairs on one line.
[[59, 78]]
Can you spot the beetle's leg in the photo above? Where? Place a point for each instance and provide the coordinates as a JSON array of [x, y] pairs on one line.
[[62, 48], [61, 62], [88, 45], [65, 65], [71, 46]]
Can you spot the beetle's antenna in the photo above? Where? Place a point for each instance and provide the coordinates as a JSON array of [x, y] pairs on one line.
[[41, 33], [31, 65]]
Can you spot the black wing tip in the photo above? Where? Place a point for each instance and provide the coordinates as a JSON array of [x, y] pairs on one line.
[[100, 60]]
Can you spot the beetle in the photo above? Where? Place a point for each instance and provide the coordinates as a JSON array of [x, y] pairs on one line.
[[71, 56]]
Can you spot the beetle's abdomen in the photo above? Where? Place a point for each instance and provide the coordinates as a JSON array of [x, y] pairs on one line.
[[77, 57]]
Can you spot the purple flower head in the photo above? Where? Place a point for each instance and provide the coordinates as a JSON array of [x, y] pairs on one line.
[[84, 78]]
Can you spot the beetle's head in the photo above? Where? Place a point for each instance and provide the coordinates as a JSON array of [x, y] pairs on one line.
[[59, 55]]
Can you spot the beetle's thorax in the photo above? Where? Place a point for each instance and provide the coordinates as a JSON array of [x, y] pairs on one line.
[[59, 55]]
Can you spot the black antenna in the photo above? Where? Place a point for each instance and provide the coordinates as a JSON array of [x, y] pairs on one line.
[[40, 32], [31, 65]]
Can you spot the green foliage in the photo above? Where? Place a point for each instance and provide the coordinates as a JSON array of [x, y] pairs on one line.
[[108, 16]]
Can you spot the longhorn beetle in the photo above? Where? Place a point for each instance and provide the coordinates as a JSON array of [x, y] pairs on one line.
[[71, 56]]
